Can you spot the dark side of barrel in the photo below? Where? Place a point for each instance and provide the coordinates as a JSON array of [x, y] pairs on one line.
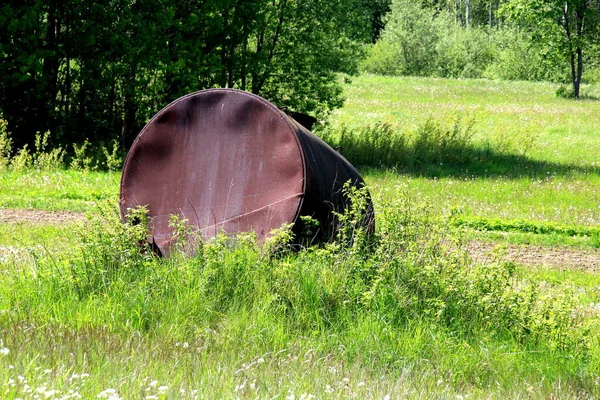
[[326, 173]]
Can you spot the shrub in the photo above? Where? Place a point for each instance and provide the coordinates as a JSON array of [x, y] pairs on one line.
[[80, 160], [462, 53], [385, 144], [5, 145], [419, 41], [413, 271], [408, 43], [565, 91], [113, 161], [45, 159]]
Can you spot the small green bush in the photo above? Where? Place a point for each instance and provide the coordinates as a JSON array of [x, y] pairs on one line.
[[565, 91], [113, 161], [22, 161], [6, 143], [80, 160], [44, 158]]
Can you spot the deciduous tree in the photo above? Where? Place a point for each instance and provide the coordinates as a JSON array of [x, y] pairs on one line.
[[570, 26]]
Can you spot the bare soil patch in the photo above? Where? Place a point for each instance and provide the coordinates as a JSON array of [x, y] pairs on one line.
[[537, 256], [15, 216], [534, 256]]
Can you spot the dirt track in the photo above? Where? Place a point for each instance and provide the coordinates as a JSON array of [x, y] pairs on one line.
[[39, 216], [558, 257], [537, 256]]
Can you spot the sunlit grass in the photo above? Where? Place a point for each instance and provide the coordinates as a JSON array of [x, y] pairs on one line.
[[558, 130], [407, 316], [413, 318], [56, 190]]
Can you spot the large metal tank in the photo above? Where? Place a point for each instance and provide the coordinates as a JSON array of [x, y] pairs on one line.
[[229, 161]]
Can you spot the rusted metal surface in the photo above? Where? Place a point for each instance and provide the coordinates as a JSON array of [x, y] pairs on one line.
[[229, 161]]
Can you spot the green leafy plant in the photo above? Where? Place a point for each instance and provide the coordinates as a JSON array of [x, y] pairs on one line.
[[45, 159], [6, 143], [22, 161], [113, 161], [81, 161]]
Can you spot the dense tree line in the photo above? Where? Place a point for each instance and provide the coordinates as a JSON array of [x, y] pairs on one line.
[[100, 69], [555, 40]]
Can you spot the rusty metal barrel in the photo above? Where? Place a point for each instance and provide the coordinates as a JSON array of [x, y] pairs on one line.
[[230, 161]]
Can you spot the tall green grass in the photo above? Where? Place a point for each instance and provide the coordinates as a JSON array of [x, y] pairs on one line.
[[408, 306]]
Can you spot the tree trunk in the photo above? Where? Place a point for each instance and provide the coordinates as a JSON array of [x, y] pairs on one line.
[[577, 81], [50, 68], [467, 12], [231, 66], [574, 75], [580, 15]]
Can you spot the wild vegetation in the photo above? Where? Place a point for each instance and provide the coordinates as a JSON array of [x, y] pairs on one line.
[[508, 160], [515, 40], [407, 313], [99, 70]]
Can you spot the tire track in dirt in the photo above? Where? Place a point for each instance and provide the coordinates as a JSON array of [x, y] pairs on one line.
[[15, 216], [482, 252], [537, 256]]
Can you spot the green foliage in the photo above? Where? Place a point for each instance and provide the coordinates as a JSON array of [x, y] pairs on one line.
[[497, 224], [98, 73], [565, 91], [80, 160], [5, 145], [22, 160], [113, 159], [385, 144], [45, 159], [425, 39], [462, 53], [568, 28], [518, 55], [419, 41], [409, 38]]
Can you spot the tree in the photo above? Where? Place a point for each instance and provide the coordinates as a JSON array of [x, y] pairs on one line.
[[570, 26], [99, 69]]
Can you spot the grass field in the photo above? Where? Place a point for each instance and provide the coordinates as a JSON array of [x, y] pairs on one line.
[[545, 151], [85, 314]]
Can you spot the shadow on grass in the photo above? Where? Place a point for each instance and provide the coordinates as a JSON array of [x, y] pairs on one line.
[[438, 148], [480, 164]]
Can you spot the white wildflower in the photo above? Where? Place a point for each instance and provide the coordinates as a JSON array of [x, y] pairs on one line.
[[162, 389], [110, 394]]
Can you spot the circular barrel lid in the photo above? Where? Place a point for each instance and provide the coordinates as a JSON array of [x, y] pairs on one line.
[[224, 159]]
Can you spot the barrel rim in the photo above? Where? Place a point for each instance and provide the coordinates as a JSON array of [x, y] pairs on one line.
[[290, 123]]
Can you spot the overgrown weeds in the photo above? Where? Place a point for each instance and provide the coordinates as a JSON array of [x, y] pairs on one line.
[[385, 144], [413, 271], [45, 157]]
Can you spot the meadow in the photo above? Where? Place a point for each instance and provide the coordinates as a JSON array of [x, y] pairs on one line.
[[85, 314]]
